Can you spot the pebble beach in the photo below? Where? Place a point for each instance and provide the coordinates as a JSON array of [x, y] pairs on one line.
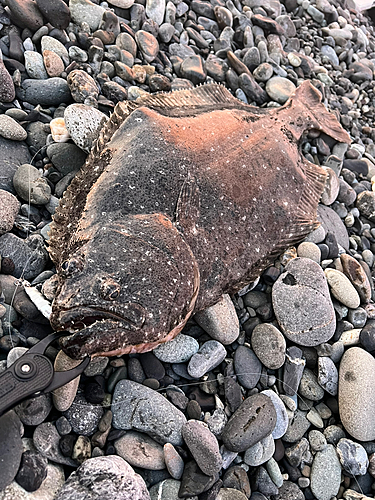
[[270, 393]]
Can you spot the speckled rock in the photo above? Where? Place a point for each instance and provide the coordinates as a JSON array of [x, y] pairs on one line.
[[220, 321], [260, 452], [327, 375], [247, 367], [11, 129], [342, 289], [135, 406], [52, 44], [82, 85], [86, 11], [203, 445], [34, 65], [53, 63], [147, 44], [7, 90], [210, 355], [31, 186], [84, 124], [51, 92], [139, 450], [309, 250], [83, 416], [302, 303], [177, 350], [355, 272], [109, 477], [353, 457], [366, 204], [325, 474], [9, 207], [269, 345], [56, 13], [357, 393]]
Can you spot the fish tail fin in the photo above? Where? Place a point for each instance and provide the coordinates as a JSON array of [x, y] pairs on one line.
[[320, 118]]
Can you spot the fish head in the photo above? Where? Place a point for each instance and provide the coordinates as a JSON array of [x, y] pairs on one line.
[[125, 290]]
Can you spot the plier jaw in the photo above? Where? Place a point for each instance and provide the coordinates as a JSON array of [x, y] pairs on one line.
[[33, 373]]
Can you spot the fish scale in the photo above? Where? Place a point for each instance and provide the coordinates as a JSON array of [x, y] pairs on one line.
[[185, 196]]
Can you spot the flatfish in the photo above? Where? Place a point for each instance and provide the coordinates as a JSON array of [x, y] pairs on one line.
[[185, 196]]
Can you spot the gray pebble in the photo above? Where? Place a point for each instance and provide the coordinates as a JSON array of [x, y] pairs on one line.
[[302, 303], [247, 367], [274, 472], [293, 370], [173, 461], [325, 477], [220, 321], [353, 457], [31, 186], [328, 375], [280, 89], [210, 355], [178, 350], [9, 208], [333, 434], [269, 345], [34, 65], [317, 440], [260, 452], [108, 477], [10, 129], [203, 446], [83, 416], [309, 250], [10, 447], [135, 406], [87, 12], [165, 490], [342, 289], [84, 124], [282, 420], [309, 387], [46, 440], [50, 92], [139, 450], [297, 427], [34, 411]]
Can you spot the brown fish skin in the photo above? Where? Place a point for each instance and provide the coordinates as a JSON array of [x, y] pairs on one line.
[[184, 192]]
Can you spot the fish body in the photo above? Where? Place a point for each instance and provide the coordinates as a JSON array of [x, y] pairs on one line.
[[184, 197]]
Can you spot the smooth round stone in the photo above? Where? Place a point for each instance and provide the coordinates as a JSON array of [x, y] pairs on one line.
[[254, 420], [108, 477], [269, 345], [53, 63], [34, 410], [309, 250], [357, 393], [325, 476], [155, 10], [260, 452], [9, 208], [203, 445], [139, 450], [46, 440], [209, 356], [328, 376], [48, 490], [220, 321], [10, 447], [29, 256], [56, 13], [165, 490], [63, 397], [302, 303], [263, 72], [86, 11], [52, 44], [51, 92], [147, 44], [282, 420], [230, 494], [82, 85], [342, 289], [177, 350], [84, 124], [137, 407], [366, 204], [367, 336], [331, 187], [173, 461], [330, 53], [66, 157], [353, 457], [192, 68], [25, 14], [247, 367], [280, 89], [309, 387], [217, 421], [83, 416], [332, 223], [317, 440], [31, 186], [10, 129], [34, 65]]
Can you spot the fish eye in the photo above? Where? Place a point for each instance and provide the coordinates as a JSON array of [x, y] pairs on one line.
[[110, 290], [71, 266]]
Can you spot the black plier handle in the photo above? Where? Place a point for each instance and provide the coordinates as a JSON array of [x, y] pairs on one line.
[[33, 373]]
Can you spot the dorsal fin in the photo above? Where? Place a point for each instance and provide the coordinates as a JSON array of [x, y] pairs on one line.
[[72, 204]]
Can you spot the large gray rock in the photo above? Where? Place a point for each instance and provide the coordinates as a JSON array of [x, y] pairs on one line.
[[104, 477], [135, 406], [325, 474], [302, 303], [357, 393], [332, 223], [51, 92]]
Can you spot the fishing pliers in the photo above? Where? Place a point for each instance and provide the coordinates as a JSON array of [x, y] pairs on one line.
[[33, 373]]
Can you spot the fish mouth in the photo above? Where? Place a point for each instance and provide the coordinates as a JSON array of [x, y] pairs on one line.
[[80, 318]]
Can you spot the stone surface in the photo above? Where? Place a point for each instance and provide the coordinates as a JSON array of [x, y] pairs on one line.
[[210, 355], [9, 207], [357, 393], [51, 92], [11, 129], [139, 450], [10, 448], [84, 124], [332, 223], [28, 256], [254, 420], [83, 416], [260, 452], [353, 457], [177, 350], [104, 477], [247, 367], [280, 89], [63, 397], [86, 11], [220, 321], [302, 304], [325, 475], [31, 186], [137, 407], [342, 289], [269, 345], [282, 420], [203, 445]]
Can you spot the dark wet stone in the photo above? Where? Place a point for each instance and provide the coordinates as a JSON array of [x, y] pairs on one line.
[[247, 367], [28, 256], [152, 367], [13, 155], [10, 447], [203, 445], [263, 483], [193, 481], [254, 420], [51, 92], [357, 166], [114, 92], [83, 416], [56, 13], [235, 477], [147, 44], [25, 14], [233, 394], [367, 336], [289, 491], [252, 89], [7, 90], [32, 471], [192, 68], [66, 157], [33, 411]]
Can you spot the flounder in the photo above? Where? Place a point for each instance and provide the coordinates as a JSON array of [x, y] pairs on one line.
[[185, 196]]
